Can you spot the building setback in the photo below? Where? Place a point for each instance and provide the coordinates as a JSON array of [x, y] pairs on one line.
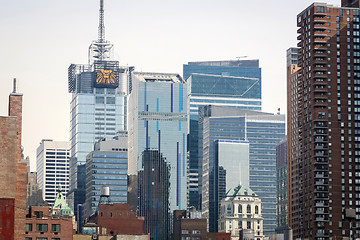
[[324, 123], [263, 131], [52, 167]]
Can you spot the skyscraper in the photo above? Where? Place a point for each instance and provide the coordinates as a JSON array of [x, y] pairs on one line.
[[263, 131], [98, 106], [324, 124], [52, 167], [154, 193], [158, 103], [233, 83]]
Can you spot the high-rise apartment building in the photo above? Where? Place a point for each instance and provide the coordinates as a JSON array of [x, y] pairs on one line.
[[52, 167], [158, 121], [98, 106], [263, 131], [232, 83], [107, 165], [324, 124]]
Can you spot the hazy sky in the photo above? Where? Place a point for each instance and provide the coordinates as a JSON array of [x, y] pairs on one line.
[[41, 38]]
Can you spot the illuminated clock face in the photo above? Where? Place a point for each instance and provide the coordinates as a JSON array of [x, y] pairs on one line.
[[106, 77]]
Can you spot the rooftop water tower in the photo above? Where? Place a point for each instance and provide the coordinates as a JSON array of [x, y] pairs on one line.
[[105, 195]]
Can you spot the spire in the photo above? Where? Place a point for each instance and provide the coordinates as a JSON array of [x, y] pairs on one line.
[[100, 50], [101, 23]]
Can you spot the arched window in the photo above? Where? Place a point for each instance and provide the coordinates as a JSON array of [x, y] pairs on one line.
[[256, 209], [248, 208], [240, 208]]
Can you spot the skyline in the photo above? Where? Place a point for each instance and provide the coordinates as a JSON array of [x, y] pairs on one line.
[[41, 39]]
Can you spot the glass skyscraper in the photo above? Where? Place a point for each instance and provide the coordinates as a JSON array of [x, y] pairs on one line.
[[159, 122], [263, 131], [233, 83]]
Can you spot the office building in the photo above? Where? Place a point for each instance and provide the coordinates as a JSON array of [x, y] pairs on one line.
[[240, 212], [158, 104], [323, 159], [281, 187], [233, 83], [52, 167], [154, 194], [98, 106], [13, 172], [107, 165], [263, 131]]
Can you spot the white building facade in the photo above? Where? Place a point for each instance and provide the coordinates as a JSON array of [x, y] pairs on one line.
[[240, 213], [52, 166]]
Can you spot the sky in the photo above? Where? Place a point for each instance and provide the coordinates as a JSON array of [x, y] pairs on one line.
[[39, 39]]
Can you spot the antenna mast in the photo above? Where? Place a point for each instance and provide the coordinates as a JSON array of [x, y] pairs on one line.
[[101, 23], [100, 50]]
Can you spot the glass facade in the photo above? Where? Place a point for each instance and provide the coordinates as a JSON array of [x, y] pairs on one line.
[[263, 131], [106, 168], [162, 125], [222, 83]]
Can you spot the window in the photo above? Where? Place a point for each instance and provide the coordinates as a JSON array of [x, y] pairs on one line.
[[196, 231], [28, 227], [41, 238], [256, 209], [240, 208], [100, 100], [28, 238], [184, 231], [228, 209], [320, 9], [41, 227], [38, 214], [248, 208], [55, 227], [248, 225]]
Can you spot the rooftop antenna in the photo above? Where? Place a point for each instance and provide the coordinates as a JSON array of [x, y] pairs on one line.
[[100, 50], [101, 38], [14, 86]]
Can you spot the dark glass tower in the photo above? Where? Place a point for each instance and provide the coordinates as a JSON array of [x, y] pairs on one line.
[[154, 185]]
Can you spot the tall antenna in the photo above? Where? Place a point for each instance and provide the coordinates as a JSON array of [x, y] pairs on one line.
[[100, 50], [101, 22]]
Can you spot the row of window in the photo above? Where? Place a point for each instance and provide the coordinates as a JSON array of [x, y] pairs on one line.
[[42, 227]]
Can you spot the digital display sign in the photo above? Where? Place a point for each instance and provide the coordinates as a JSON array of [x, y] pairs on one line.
[[106, 79]]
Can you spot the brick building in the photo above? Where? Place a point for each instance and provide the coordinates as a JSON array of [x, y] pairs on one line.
[[117, 219], [41, 224], [189, 225], [13, 172]]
